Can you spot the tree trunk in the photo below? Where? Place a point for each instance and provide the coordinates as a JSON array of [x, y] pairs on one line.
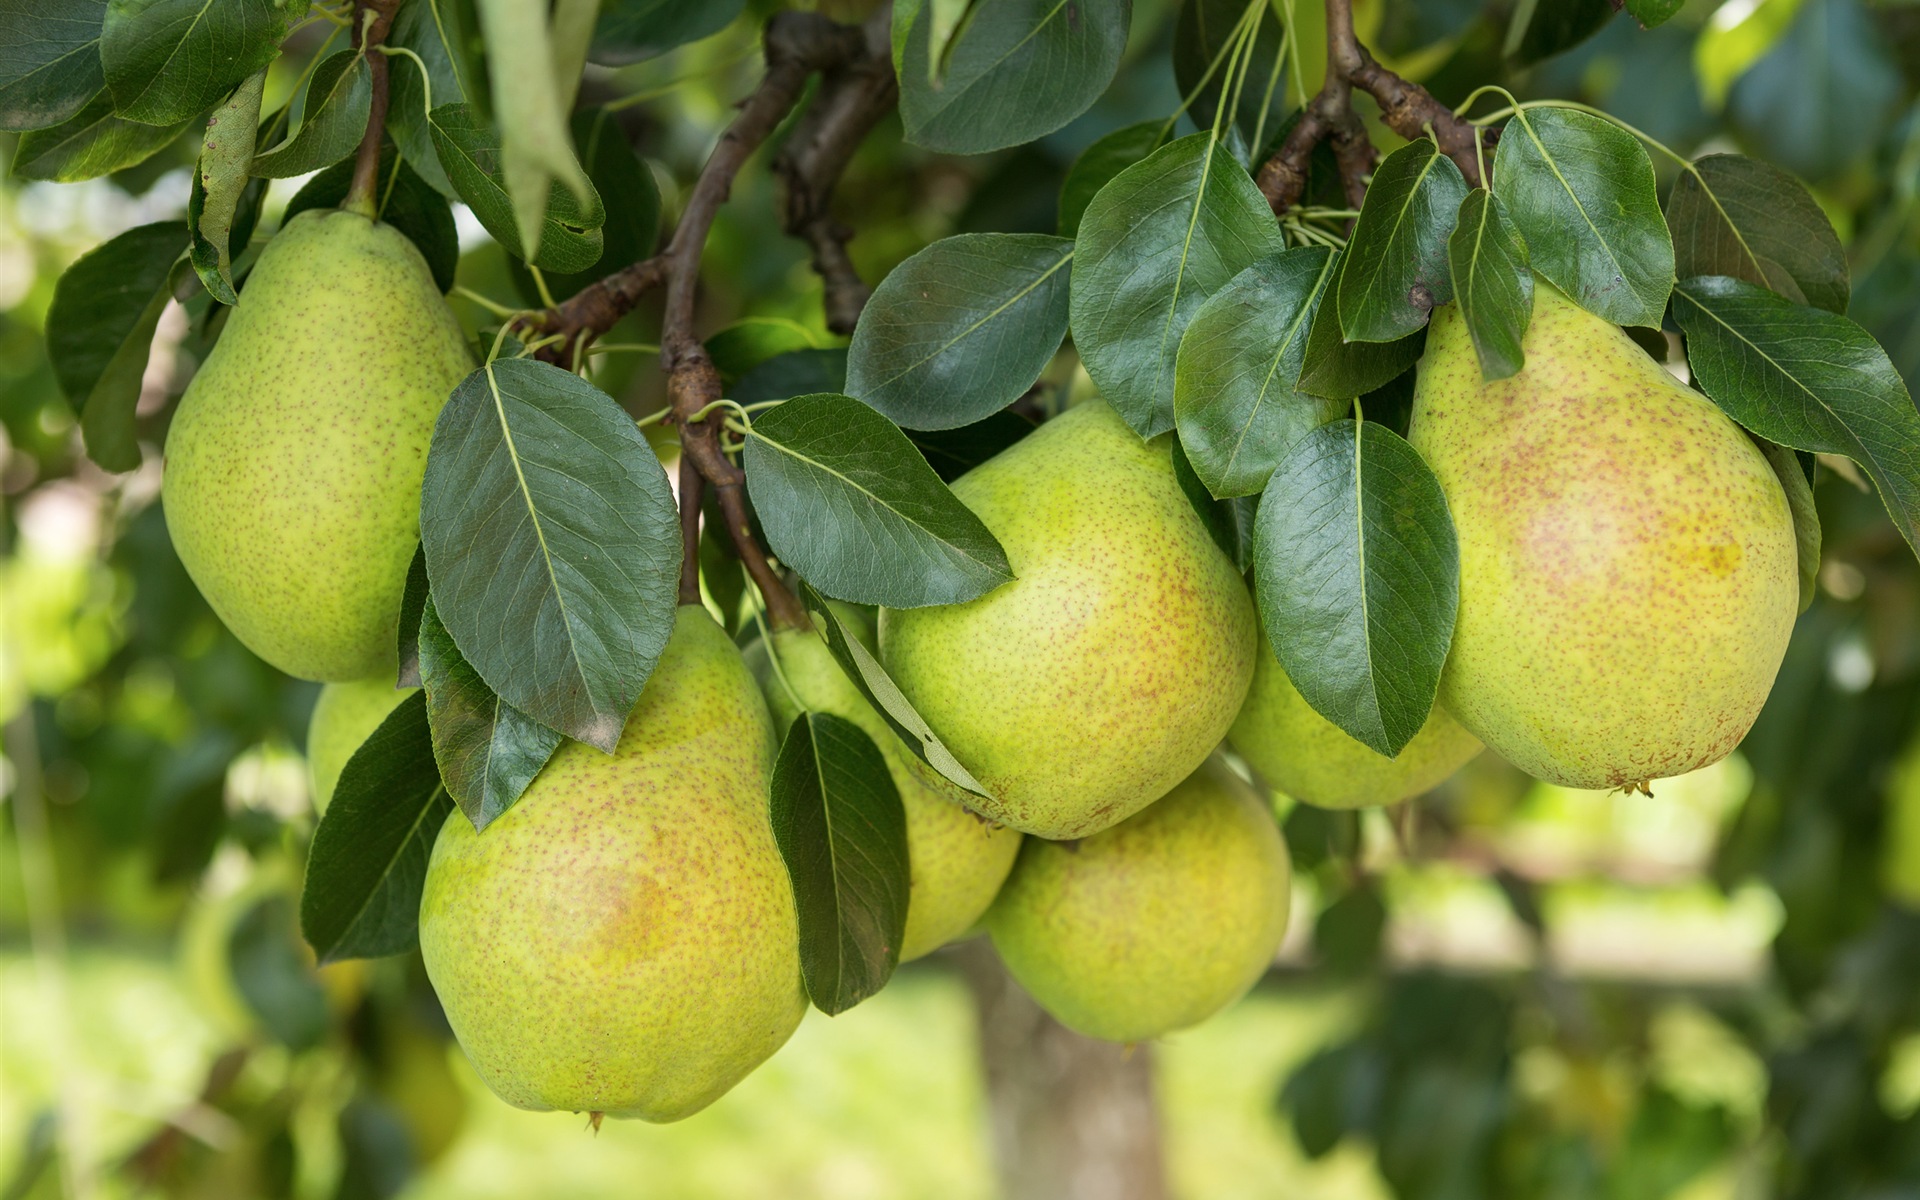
[[1073, 1118]]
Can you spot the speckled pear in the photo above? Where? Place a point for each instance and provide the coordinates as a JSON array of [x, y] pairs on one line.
[[623, 940], [1310, 758], [1155, 924], [344, 716], [292, 484], [1628, 579], [1114, 662], [958, 860]]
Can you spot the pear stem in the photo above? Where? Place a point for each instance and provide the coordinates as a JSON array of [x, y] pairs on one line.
[[373, 19]]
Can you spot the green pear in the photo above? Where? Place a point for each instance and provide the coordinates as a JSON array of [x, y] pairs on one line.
[[292, 484], [1628, 578], [1113, 664], [344, 716], [623, 940], [1310, 758], [957, 860], [1155, 924]]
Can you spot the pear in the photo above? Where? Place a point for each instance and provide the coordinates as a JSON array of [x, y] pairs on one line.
[[1310, 758], [344, 716], [292, 483], [623, 940], [1113, 663], [1628, 577], [958, 861], [1155, 924]]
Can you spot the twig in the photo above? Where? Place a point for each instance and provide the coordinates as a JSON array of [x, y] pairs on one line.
[[693, 487], [372, 19]]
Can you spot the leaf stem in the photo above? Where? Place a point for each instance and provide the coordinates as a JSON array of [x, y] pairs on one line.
[[375, 18]]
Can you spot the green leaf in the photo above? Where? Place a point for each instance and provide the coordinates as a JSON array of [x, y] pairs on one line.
[[49, 60], [961, 329], [740, 347], [534, 148], [1100, 162], [796, 373], [1806, 517], [469, 151], [1341, 370], [91, 143], [1229, 522], [1234, 399], [879, 690], [1015, 69], [632, 30], [1820, 100], [168, 61], [1396, 262], [843, 832], [413, 609], [1358, 575], [1202, 34], [488, 750], [408, 204], [1159, 239], [552, 544], [1579, 190], [1805, 378], [275, 976], [369, 858], [848, 503], [1492, 283], [219, 186], [953, 452], [629, 194], [444, 33], [1650, 13], [100, 326], [1737, 216], [1539, 31], [333, 119]]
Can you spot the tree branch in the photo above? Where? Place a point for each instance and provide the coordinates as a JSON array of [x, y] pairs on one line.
[[372, 19]]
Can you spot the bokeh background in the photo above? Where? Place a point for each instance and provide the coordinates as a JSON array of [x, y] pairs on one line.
[[1507, 990]]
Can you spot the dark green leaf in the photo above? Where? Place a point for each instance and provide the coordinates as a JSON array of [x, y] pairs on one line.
[[220, 185], [1229, 522], [168, 61], [49, 60], [1340, 369], [1396, 262], [369, 857], [1234, 399], [1821, 98], [879, 690], [445, 34], [1492, 283], [1015, 69], [848, 503], [1357, 577], [1805, 378], [1100, 162], [740, 347], [406, 202], [796, 373], [843, 832], [1202, 35], [1545, 29], [953, 452], [632, 201], [469, 151], [1159, 239], [1579, 190], [274, 975], [413, 607], [631, 30], [1740, 217], [961, 329], [191, 814], [552, 543], [488, 750], [1653, 12], [91, 143], [333, 119], [1806, 517]]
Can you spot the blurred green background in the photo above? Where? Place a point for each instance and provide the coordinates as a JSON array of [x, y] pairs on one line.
[[1510, 990]]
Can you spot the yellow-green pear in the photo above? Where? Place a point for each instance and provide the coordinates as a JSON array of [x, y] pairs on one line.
[[1155, 924], [1114, 662], [1628, 578], [292, 483], [344, 716], [1310, 758], [958, 861], [623, 940]]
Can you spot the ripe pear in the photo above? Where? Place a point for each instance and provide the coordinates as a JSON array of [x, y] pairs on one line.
[[623, 940], [957, 860], [344, 716], [1112, 665], [1155, 924], [1310, 758], [292, 483], [1628, 577]]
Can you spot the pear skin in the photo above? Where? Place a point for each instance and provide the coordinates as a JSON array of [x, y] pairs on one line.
[[1114, 662], [958, 860], [1628, 578], [292, 483], [623, 940], [1155, 924], [1310, 758], [344, 716]]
